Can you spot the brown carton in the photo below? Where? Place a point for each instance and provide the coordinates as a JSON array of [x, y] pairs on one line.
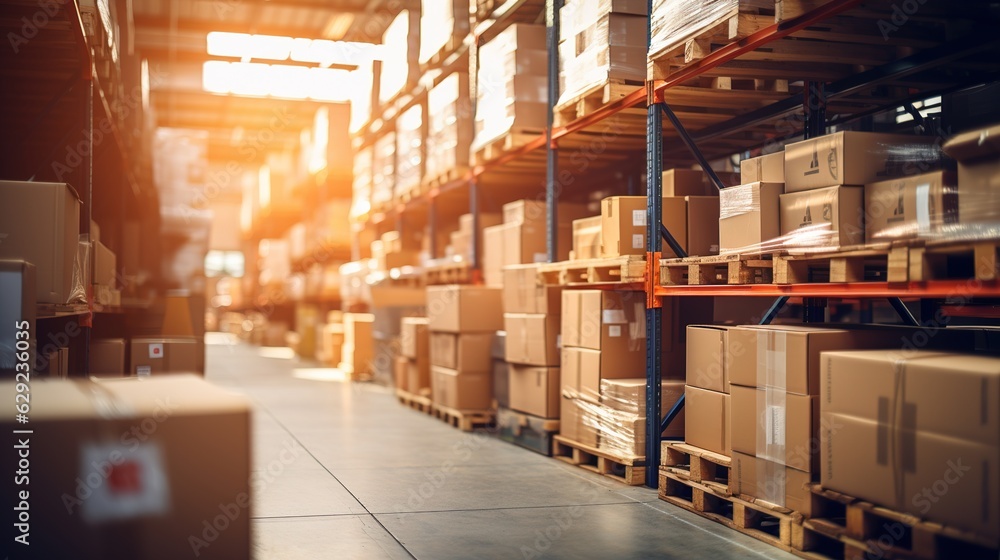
[[915, 431], [910, 207], [400, 373], [707, 421], [532, 339], [770, 482], [418, 377], [768, 168], [709, 352], [155, 356], [413, 337], [825, 217], [581, 385], [456, 308], [535, 390], [587, 238], [777, 426], [534, 211], [522, 292], [612, 322], [702, 231], [107, 356], [466, 352], [748, 216], [855, 158], [623, 224], [180, 451], [789, 355], [493, 256], [461, 391], [358, 350], [978, 155], [629, 396], [687, 182]]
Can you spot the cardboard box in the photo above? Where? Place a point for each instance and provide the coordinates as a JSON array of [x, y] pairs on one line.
[[413, 337], [581, 389], [687, 182], [707, 421], [709, 353], [749, 215], [770, 482], [826, 217], [466, 352], [534, 390], [978, 155], [910, 207], [623, 224], [777, 426], [791, 353], [332, 342], [107, 356], [522, 292], [856, 158], [915, 431], [629, 396], [457, 308], [105, 266], [532, 339], [400, 373], [768, 168], [461, 391], [535, 211], [41, 225], [191, 457], [501, 383], [587, 238], [493, 255], [358, 351], [612, 322], [702, 233], [418, 377], [524, 243], [155, 356]]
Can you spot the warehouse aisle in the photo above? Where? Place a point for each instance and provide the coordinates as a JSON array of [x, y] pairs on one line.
[[342, 471]]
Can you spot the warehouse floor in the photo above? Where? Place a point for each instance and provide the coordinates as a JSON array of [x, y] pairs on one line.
[[342, 470]]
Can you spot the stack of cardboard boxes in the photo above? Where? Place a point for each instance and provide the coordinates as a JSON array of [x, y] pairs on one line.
[[383, 170], [392, 250], [460, 241], [331, 339], [532, 313], [462, 321], [449, 126], [358, 351], [410, 131], [687, 217], [413, 365]]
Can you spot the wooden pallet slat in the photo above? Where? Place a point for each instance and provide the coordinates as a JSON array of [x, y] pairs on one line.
[[593, 98], [465, 420], [696, 464], [420, 403], [448, 273], [949, 260], [867, 264], [444, 178], [729, 269], [630, 470], [616, 270], [504, 143]]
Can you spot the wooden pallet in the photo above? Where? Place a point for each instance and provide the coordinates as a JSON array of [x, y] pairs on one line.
[[717, 269], [465, 420], [453, 174], [872, 263], [950, 260], [527, 431], [696, 464], [448, 273], [616, 270], [419, 403], [843, 526], [630, 470], [593, 99], [764, 522], [497, 147]]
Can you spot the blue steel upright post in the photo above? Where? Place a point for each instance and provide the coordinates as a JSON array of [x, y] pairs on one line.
[[654, 192], [551, 152]]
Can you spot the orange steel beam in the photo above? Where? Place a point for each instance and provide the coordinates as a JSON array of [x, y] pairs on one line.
[[929, 289]]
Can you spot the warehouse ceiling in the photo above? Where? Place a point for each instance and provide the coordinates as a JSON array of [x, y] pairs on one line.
[[171, 36]]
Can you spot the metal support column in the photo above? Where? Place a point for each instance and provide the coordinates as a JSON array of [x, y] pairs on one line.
[[87, 194], [552, 8], [432, 227], [815, 109], [474, 210], [654, 334], [903, 312]]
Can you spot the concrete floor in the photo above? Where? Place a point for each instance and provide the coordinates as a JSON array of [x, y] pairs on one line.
[[346, 472]]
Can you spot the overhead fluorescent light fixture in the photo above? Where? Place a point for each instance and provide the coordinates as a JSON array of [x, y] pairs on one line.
[[325, 53]]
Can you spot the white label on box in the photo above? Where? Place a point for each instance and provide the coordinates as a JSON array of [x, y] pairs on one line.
[[923, 207], [126, 482], [615, 330], [143, 371], [776, 426], [639, 218], [613, 317], [541, 257], [638, 241], [156, 351]]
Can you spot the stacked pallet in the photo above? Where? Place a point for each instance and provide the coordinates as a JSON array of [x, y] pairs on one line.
[[449, 130]]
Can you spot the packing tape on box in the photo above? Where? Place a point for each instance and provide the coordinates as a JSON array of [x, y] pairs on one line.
[[896, 432], [772, 405]]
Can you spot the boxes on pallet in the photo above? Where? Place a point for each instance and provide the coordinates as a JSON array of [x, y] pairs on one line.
[[978, 155], [612, 322], [857, 158], [383, 169], [332, 343], [687, 182], [159, 495], [459, 308], [414, 337], [709, 355], [532, 338], [749, 216], [587, 238], [358, 351], [915, 431], [461, 240], [461, 390], [623, 431], [707, 420], [466, 352], [107, 357], [534, 390], [581, 386], [691, 220], [400, 373], [449, 126], [823, 217], [523, 293], [410, 150], [769, 168], [157, 355], [770, 482], [521, 239], [42, 226], [910, 207], [399, 65], [776, 425], [493, 257]]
